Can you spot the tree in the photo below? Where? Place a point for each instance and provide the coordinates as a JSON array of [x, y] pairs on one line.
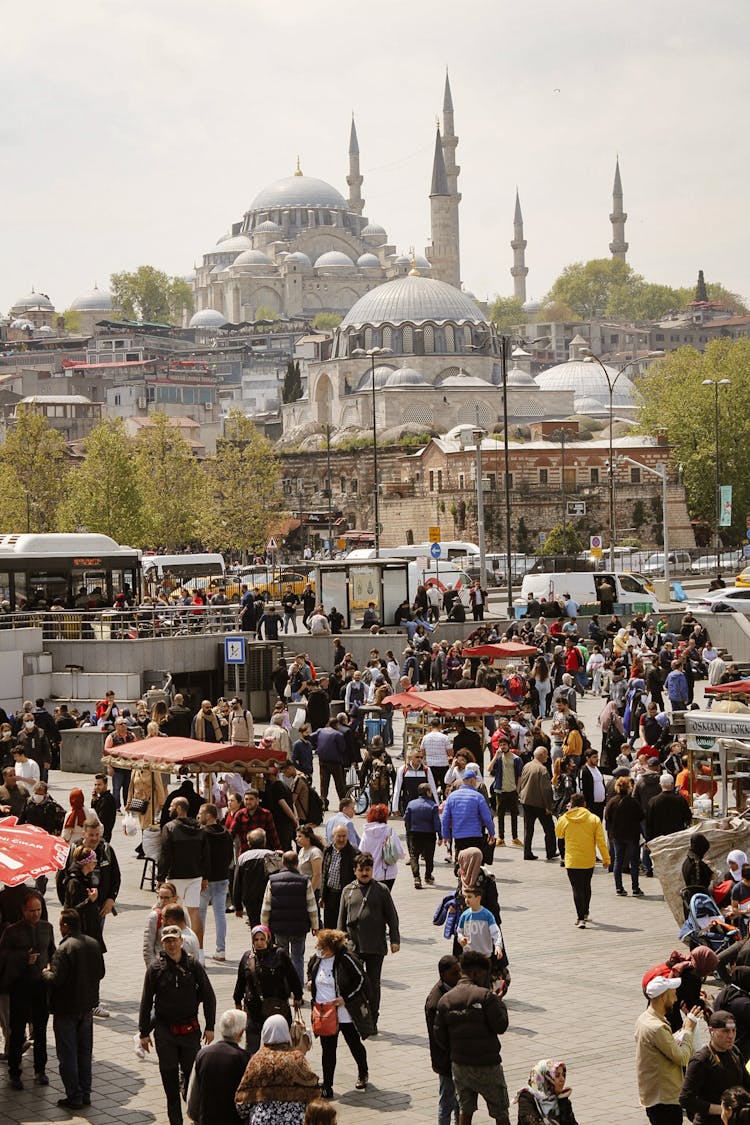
[[587, 286], [150, 294], [326, 322], [104, 493], [291, 388], [675, 401], [507, 312], [557, 544], [32, 473], [243, 489], [171, 484], [72, 321], [555, 311]]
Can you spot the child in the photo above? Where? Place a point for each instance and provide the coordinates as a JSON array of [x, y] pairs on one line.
[[477, 929], [740, 900]]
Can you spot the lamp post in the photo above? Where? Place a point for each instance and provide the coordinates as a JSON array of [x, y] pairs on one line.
[[716, 383], [478, 435], [611, 384], [504, 341], [561, 436], [372, 353], [329, 490], [659, 471]]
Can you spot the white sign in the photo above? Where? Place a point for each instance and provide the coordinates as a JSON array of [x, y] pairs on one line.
[[576, 507], [234, 650], [272, 545]]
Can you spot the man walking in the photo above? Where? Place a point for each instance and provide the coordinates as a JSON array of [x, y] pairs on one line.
[[505, 769], [338, 872], [366, 913], [583, 833], [535, 794], [660, 1053], [103, 804], [220, 855], [184, 861], [290, 910], [469, 1020], [467, 815], [668, 811], [251, 877], [73, 977], [216, 1075], [423, 830], [330, 746], [26, 949], [712, 1070], [175, 988], [449, 972]]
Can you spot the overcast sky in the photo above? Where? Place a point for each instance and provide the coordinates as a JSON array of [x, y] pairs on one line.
[[136, 131]]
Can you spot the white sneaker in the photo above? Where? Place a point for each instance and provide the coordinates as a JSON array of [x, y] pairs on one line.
[[101, 1013], [219, 956], [139, 1052]]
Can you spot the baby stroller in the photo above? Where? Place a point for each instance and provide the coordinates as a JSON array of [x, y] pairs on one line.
[[705, 925]]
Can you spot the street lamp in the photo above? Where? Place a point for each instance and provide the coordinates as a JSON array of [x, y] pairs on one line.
[[611, 384], [372, 353], [659, 471], [478, 434], [716, 383], [562, 436], [329, 489]]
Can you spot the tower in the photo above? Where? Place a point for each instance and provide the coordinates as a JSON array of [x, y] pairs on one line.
[[520, 269], [618, 246], [354, 179], [444, 254]]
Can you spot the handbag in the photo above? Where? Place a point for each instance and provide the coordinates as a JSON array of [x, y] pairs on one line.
[[139, 805], [325, 1018], [273, 1006], [300, 1033]]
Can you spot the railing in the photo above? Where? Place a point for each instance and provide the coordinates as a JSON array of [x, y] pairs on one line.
[[137, 623]]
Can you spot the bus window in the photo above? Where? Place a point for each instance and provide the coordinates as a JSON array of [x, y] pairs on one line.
[[4, 586], [45, 587]]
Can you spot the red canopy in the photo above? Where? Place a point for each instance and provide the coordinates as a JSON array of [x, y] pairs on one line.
[[736, 687], [503, 650], [455, 701], [168, 754], [26, 850]]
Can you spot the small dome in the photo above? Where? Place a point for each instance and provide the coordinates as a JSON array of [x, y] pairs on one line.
[[298, 256], [382, 375], [585, 404], [298, 191], [21, 323], [587, 380], [207, 318], [463, 381], [518, 378], [402, 260], [373, 229], [421, 262], [334, 259], [412, 300], [368, 262], [268, 227], [407, 377], [34, 301], [252, 258], [99, 300], [45, 330], [233, 245]]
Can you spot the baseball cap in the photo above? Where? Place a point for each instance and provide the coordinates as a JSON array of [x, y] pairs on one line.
[[471, 770], [657, 986], [170, 932]]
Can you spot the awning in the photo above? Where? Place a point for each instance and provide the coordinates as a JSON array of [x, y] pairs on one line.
[[736, 687], [168, 754], [502, 651], [454, 701]]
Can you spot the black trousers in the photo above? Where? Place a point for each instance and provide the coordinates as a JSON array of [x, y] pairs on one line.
[[532, 814], [507, 803], [580, 881], [421, 845], [331, 903], [664, 1114], [373, 963], [28, 1001], [330, 770], [176, 1053], [467, 842], [328, 1045], [439, 772]]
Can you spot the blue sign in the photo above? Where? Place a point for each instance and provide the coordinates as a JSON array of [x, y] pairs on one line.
[[234, 650], [746, 552], [435, 550]]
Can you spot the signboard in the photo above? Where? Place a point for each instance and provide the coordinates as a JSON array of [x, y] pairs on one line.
[[595, 546], [725, 505], [704, 728], [435, 550], [272, 545], [542, 538], [434, 534], [576, 507], [234, 650], [746, 552]]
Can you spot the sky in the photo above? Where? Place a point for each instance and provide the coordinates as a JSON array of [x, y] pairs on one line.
[[136, 132]]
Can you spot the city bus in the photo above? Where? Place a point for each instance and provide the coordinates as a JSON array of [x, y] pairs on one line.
[[192, 570], [78, 571]]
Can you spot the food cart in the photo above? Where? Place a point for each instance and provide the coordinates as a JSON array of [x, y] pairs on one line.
[[718, 744], [469, 704]]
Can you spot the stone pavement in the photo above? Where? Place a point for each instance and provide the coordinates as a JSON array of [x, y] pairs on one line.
[[574, 995]]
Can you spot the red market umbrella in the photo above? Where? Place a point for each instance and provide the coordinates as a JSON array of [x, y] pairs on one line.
[[168, 754], [503, 650], [453, 701], [27, 852], [736, 687]]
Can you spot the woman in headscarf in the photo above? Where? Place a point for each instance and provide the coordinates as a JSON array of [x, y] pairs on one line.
[[692, 969], [266, 978], [73, 828], [546, 1097], [695, 871], [277, 1084], [473, 874]]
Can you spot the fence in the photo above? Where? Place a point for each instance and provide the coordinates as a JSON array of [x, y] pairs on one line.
[[139, 623]]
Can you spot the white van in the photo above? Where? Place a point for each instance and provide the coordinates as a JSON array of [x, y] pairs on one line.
[[583, 587], [442, 575]]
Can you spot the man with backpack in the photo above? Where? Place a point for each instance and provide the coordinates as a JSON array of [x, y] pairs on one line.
[[378, 771], [408, 779]]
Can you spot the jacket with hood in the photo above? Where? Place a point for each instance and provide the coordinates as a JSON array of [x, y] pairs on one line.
[[583, 833], [184, 850], [220, 852]]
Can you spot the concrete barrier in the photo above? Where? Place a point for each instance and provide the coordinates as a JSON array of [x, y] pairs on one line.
[[81, 750]]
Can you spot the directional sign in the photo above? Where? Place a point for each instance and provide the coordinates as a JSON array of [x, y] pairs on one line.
[[234, 650], [434, 534], [435, 550]]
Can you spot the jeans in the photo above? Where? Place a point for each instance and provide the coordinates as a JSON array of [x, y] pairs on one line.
[[120, 783], [294, 945], [532, 813], [447, 1104], [28, 1001], [626, 854], [329, 1043], [74, 1039], [580, 881], [290, 618], [543, 690], [216, 894], [175, 1053], [596, 686]]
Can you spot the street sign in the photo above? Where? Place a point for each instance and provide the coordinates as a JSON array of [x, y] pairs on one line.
[[746, 552], [234, 650], [576, 507], [595, 542], [434, 534], [435, 550], [423, 563], [542, 538], [272, 544]]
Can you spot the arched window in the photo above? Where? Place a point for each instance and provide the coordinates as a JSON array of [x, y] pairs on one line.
[[439, 337], [368, 338], [387, 336], [450, 344], [408, 339], [429, 339], [396, 343], [459, 337]]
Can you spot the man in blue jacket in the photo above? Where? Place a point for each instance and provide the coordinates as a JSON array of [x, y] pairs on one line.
[[422, 821], [467, 815]]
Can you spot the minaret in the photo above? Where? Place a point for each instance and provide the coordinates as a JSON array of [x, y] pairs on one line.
[[443, 251], [520, 269], [354, 179], [618, 246], [450, 144]]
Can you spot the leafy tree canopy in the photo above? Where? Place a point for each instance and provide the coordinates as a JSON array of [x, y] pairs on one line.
[[558, 544], [171, 485], [506, 312], [326, 322], [150, 294], [32, 473], [104, 492]]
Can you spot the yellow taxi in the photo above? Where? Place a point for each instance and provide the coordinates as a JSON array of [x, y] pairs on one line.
[[743, 578]]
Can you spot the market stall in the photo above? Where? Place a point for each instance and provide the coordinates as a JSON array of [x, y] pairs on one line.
[[469, 704]]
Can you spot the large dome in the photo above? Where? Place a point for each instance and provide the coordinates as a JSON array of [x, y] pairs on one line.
[[587, 380], [334, 259], [99, 300], [298, 191], [412, 299], [34, 301]]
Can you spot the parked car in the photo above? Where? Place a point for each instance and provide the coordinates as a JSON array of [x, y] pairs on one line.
[[733, 599], [679, 562], [743, 578]]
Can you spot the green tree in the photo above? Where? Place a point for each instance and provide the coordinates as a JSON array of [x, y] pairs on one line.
[[171, 484], [675, 401], [557, 544], [32, 473], [104, 492], [72, 321], [326, 322], [243, 489], [587, 286], [291, 388], [150, 294], [644, 301], [556, 311], [507, 312]]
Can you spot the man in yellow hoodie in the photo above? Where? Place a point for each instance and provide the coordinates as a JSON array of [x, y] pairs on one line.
[[583, 833]]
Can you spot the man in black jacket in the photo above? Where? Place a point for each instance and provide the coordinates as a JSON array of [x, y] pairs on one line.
[[469, 1020], [217, 1072], [175, 987], [712, 1070], [668, 811], [366, 912], [179, 718], [251, 877], [184, 860], [103, 804], [185, 789], [220, 854], [74, 976], [450, 971], [338, 872], [26, 948]]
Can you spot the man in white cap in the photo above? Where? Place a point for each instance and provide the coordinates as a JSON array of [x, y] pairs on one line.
[[660, 1054]]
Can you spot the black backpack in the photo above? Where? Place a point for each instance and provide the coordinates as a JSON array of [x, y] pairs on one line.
[[315, 807]]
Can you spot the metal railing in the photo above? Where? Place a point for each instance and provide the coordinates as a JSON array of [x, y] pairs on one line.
[[136, 623]]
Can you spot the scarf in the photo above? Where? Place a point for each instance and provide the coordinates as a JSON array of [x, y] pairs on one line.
[[469, 865], [77, 816], [739, 858], [541, 1086]]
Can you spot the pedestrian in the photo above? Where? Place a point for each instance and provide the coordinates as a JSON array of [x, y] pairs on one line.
[[591, 783], [42, 811], [278, 1083], [251, 873], [103, 805], [166, 895], [713, 1069], [72, 831], [449, 972], [381, 842], [435, 746], [735, 1106], [330, 747], [368, 916], [477, 929], [73, 979], [409, 777], [266, 979], [344, 816], [184, 860], [546, 1097], [535, 794], [467, 818], [660, 1053], [320, 1112], [252, 815], [469, 1020], [214, 894], [290, 603], [505, 770], [623, 820], [477, 600], [340, 1000], [337, 872], [423, 830], [583, 833], [81, 893], [26, 950], [290, 910], [120, 736], [175, 988], [677, 687], [216, 1074], [668, 811]]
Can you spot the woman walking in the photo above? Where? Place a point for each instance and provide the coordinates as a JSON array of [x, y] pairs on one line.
[[340, 1004]]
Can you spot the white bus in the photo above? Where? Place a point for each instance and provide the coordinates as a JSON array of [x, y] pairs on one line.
[[450, 551], [170, 572]]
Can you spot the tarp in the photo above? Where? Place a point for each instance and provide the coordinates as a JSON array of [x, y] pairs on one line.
[[502, 650], [168, 754], [454, 701], [670, 852], [736, 687]]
